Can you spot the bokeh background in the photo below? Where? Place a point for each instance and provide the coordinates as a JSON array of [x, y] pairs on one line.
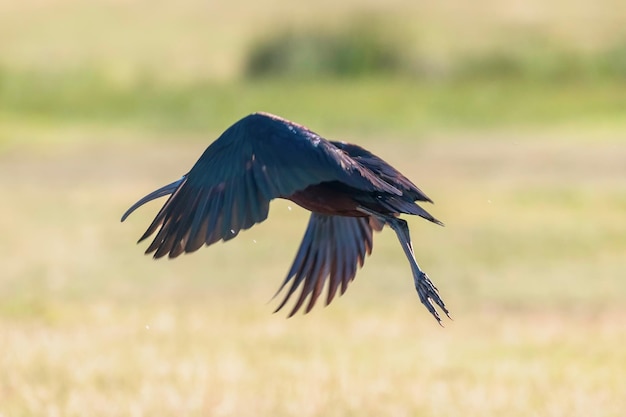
[[510, 115]]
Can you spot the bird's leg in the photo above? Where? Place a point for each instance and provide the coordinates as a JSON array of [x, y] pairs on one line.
[[426, 290]]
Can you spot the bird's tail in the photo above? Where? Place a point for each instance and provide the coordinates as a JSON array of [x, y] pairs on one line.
[[399, 205]]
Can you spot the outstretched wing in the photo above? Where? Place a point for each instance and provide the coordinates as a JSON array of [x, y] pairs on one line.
[[259, 158], [332, 250]]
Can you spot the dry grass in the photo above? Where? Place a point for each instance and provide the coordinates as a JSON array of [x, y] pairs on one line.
[[531, 263], [240, 361]]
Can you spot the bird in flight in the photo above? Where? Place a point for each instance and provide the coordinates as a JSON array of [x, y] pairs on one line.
[[350, 192]]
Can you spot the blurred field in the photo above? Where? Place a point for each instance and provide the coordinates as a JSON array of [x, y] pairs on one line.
[[102, 102], [531, 263], [194, 39]]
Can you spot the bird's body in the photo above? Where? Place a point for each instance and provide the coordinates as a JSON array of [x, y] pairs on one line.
[[350, 192]]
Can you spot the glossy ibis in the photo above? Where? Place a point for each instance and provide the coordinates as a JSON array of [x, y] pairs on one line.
[[350, 192]]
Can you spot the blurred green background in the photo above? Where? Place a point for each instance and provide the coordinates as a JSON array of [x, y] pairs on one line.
[[510, 115]]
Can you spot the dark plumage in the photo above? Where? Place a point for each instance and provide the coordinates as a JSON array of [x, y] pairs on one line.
[[350, 192]]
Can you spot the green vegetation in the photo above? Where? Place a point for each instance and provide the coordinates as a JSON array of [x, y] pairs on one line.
[[366, 48], [365, 75], [378, 105], [363, 48]]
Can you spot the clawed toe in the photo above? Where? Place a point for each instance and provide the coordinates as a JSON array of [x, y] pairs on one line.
[[429, 294]]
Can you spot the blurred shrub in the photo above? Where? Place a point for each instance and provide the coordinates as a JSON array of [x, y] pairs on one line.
[[359, 49], [369, 48], [612, 62], [535, 61]]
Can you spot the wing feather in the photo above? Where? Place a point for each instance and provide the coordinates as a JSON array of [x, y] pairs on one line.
[[259, 158], [383, 170], [332, 250]]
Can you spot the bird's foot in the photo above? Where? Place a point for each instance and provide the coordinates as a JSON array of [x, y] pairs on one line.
[[429, 296]]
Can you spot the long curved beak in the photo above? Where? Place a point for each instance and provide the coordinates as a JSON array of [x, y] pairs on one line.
[[163, 191]]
